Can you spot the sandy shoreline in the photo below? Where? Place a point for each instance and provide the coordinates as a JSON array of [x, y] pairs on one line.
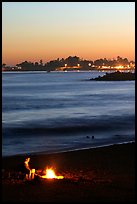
[[105, 174]]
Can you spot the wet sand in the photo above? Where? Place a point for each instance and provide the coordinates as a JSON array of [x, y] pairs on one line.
[[105, 174]]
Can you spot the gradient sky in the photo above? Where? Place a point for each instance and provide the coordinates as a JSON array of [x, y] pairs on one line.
[[49, 30]]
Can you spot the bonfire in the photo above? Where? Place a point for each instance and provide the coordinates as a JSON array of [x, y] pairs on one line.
[[50, 174]]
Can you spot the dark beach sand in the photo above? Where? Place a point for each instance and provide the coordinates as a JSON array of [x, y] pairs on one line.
[[105, 174]]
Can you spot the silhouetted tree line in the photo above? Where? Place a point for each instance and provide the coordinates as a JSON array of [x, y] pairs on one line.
[[70, 62], [54, 64], [112, 63]]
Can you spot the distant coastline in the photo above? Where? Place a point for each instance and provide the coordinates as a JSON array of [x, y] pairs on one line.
[[74, 63]]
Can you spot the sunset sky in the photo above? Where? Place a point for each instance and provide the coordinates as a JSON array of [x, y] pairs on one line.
[[49, 30]]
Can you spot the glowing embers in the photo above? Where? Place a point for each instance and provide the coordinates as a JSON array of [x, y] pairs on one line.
[[50, 174]]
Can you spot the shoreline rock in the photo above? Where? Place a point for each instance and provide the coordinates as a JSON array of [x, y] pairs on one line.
[[116, 76]]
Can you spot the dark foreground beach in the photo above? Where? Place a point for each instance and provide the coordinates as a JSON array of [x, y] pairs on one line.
[[105, 174]]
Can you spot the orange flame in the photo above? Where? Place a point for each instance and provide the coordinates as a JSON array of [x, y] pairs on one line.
[[50, 174]]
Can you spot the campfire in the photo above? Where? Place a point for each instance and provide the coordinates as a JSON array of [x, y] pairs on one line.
[[50, 174]]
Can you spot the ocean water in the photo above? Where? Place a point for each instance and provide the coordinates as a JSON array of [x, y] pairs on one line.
[[61, 111]]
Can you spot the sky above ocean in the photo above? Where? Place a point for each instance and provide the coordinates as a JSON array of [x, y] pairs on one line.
[[49, 30]]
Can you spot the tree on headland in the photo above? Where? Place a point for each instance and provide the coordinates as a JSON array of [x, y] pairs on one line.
[[36, 63], [72, 61], [41, 62], [3, 65], [98, 62]]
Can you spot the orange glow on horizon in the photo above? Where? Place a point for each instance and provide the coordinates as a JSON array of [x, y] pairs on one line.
[[14, 53], [18, 58]]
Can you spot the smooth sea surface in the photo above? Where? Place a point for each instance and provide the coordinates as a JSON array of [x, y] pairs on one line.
[[61, 111]]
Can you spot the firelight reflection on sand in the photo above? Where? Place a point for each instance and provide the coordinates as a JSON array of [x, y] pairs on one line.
[[49, 30]]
